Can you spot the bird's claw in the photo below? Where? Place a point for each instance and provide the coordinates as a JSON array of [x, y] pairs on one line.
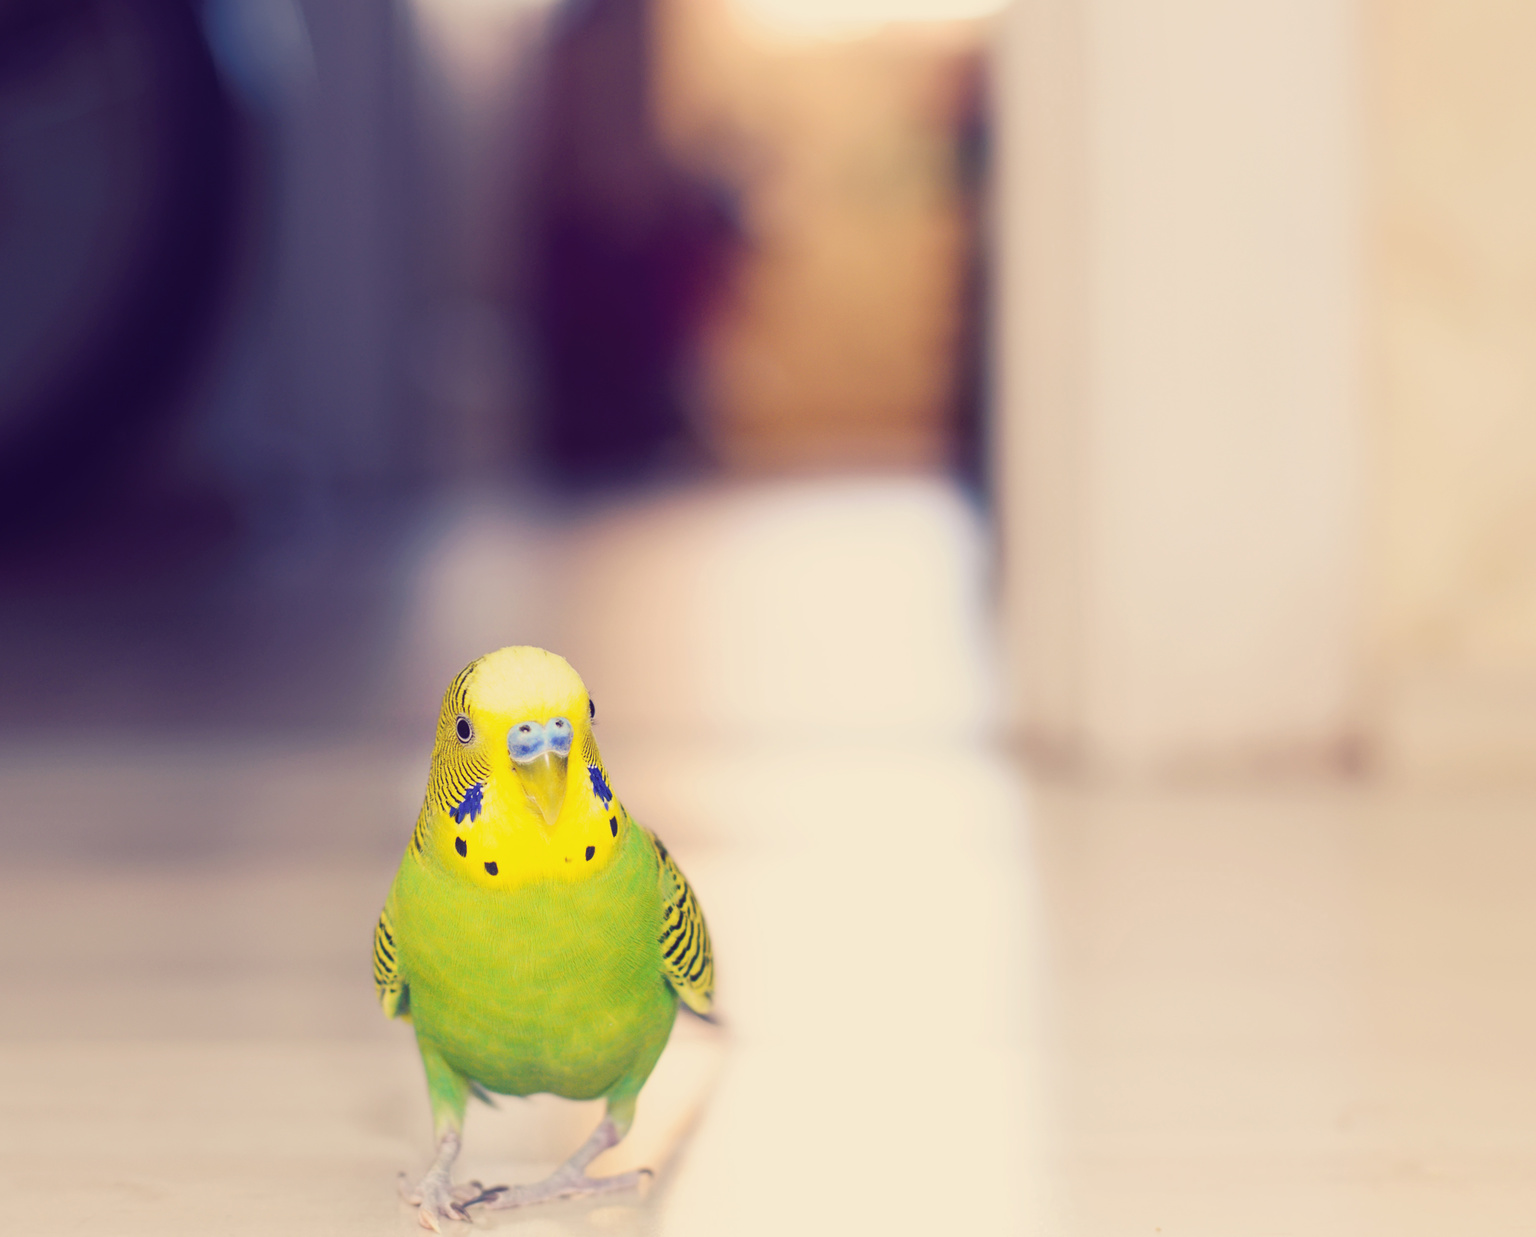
[[439, 1200], [484, 1194]]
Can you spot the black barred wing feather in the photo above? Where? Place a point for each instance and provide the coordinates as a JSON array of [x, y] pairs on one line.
[[394, 995], [685, 951]]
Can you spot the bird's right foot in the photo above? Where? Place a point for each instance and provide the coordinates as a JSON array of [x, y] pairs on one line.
[[438, 1199]]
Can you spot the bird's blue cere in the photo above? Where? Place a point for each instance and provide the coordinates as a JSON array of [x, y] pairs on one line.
[[559, 732], [599, 785], [526, 740], [469, 805], [529, 739]]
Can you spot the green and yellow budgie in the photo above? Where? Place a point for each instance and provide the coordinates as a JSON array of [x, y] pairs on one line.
[[535, 935]]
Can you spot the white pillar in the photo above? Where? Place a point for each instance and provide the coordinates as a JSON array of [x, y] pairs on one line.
[[1178, 387]]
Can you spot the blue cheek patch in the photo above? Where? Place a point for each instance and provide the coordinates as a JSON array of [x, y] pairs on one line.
[[599, 786], [469, 805]]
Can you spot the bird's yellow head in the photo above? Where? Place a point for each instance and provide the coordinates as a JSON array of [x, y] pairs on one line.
[[517, 791]]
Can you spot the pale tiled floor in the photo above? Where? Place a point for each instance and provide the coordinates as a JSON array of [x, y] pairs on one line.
[[955, 1002]]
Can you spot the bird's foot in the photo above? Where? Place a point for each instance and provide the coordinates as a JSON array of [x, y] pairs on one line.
[[439, 1199], [564, 1182]]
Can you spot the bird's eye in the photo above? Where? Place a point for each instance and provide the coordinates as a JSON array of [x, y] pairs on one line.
[[591, 709], [463, 729]]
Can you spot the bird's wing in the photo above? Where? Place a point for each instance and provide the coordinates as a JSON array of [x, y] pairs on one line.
[[685, 951], [394, 993]]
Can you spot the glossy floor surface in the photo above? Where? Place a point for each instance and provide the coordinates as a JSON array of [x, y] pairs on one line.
[[955, 1000]]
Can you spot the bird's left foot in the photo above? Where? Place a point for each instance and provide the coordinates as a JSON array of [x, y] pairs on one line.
[[564, 1182]]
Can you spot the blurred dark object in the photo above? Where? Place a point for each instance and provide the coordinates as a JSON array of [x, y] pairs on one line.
[[628, 253], [119, 161], [972, 173]]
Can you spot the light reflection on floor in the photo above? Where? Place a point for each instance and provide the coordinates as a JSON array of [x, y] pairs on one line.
[[956, 1002]]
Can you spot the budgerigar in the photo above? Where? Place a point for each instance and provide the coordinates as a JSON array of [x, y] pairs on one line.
[[537, 937]]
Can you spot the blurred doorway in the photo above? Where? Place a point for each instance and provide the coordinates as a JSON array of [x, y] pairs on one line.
[[852, 335]]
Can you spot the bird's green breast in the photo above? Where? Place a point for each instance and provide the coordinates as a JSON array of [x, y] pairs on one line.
[[550, 986]]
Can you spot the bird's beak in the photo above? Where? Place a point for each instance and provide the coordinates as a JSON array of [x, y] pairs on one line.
[[543, 778]]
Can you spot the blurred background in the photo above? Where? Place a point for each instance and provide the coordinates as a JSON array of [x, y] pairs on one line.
[[1042, 493]]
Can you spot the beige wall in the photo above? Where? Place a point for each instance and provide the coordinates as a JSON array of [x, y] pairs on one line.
[[1179, 379], [1453, 227], [1267, 377]]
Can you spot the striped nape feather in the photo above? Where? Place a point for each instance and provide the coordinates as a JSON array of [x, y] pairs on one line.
[[454, 771], [455, 767], [391, 988], [423, 825], [686, 954], [457, 694]]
